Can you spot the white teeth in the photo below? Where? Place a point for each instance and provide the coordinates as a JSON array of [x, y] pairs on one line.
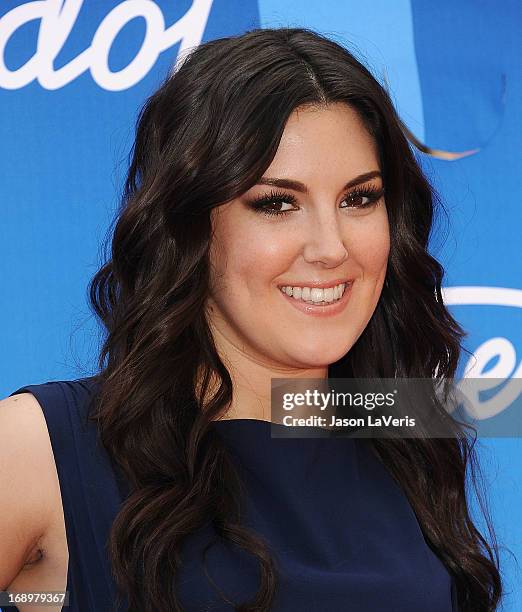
[[315, 295]]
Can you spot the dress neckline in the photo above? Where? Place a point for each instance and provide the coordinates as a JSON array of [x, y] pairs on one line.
[[267, 427], [241, 420]]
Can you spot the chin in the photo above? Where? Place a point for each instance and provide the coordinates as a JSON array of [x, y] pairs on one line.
[[319, 358]]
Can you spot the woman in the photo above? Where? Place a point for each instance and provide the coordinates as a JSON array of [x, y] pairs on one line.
[[270, 166]]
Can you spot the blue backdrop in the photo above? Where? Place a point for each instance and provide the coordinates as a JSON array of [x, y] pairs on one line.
[[73, 75]]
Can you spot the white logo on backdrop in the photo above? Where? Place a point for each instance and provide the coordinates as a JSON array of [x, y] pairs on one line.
[[475, 379], [58, 17]]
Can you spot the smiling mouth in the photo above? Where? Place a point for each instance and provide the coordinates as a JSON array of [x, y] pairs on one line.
[[305, 295], [322, 308]]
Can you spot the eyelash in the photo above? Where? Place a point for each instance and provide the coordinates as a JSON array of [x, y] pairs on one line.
[[260, 203]]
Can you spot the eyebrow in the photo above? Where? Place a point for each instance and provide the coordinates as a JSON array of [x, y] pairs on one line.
[[302, 188]]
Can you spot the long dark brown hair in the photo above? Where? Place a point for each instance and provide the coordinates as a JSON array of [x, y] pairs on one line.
[[202, 139]]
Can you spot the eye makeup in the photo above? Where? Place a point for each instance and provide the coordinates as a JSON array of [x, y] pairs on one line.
[[261, 204]]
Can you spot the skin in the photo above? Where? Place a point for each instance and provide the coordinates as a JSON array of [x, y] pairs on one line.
[[258, 335]]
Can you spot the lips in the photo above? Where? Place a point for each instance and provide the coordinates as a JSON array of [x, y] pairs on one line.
[[321, 310], [317, 284]]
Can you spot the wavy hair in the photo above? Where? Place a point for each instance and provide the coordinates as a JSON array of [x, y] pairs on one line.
[[202, 139]]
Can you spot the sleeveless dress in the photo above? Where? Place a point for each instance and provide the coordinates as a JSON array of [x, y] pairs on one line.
[[340, 530]]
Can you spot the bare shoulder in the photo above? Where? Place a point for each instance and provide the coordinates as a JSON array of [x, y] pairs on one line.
[[30, 503]]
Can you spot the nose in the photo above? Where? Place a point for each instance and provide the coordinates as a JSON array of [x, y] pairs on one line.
[[325, 242]]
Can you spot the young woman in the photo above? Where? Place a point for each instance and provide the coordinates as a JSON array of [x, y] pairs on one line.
[[274, 224]]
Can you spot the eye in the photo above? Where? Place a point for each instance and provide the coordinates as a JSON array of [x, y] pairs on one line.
[[371, 194], [275, 198], [270, 204]]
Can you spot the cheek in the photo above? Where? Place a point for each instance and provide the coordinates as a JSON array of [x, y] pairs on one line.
[[258, 256], [370, 245], [247, 259]]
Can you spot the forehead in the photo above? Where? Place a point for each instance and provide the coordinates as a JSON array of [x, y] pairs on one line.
[[324, 140]]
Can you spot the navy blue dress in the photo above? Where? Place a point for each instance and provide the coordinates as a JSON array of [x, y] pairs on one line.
[[341, 531]]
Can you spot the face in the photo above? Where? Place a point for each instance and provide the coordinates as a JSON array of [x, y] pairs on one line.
[[326, 232]]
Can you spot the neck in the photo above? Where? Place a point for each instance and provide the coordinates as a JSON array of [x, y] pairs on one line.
[[252, 376]]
